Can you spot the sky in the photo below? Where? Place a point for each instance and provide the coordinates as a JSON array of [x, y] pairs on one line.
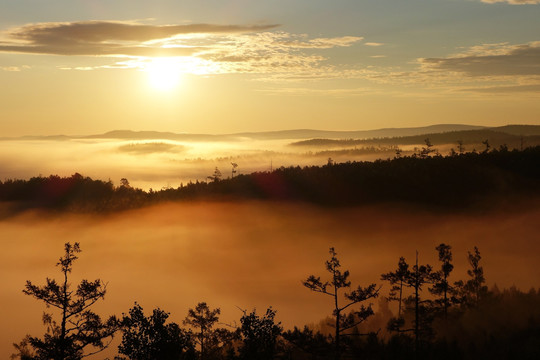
[[85, 67]]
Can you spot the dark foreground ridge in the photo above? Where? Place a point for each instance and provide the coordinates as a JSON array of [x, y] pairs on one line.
[[458, 181]]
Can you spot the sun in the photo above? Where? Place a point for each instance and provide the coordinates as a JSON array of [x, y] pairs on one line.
[[164, 74]]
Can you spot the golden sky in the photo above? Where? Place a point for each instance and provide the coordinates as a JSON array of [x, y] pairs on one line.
[[80, 67]]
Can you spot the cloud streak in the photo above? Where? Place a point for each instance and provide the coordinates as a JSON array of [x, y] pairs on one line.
[[13, 68], [323, 43], [107, 38], [373, 44], [512, 2], [201, 49], [534, 88], [502, 60]]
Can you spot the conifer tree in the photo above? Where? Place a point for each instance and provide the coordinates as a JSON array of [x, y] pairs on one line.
[[474, 289], [441, 286], [211, 341], [418, 277], [78, 327], [149, 337], [398, 280], [339, 280], [259, 335]]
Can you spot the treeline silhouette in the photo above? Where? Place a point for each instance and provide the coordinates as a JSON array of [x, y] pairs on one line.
[[458, 181], [470, 138], [437, 319]]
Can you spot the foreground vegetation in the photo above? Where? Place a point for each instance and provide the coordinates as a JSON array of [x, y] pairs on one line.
[[457, 181], [436, 319]]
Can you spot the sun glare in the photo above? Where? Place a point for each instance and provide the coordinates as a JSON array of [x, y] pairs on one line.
[[163, 73]]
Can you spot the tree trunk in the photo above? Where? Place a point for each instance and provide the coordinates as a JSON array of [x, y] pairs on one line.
[[64, 319], [400, 296], [445, 299], [416, 306], [338, 320], [202, 343], [338, 350]]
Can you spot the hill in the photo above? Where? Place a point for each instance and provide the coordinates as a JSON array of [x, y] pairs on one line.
[[511, 136], [458, 181]]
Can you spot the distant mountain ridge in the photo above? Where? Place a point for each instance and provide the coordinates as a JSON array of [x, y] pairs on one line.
[[295, 134], [285, 134]]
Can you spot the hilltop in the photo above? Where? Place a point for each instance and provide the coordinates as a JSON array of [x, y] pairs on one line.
[[452, 182]]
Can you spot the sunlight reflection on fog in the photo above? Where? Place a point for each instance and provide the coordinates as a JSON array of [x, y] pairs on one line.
[[152, 163]]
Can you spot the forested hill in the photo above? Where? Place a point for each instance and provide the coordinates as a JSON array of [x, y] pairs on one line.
[[507, 136], [458, 181]]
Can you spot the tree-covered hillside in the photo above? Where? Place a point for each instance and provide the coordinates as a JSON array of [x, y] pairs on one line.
[[456, 181]]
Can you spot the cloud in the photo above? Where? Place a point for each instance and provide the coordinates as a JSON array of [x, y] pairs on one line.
[[373, 44], [512, 2], [533, 88], [107, 38], [339, 92], [324, 43], [13, 68], [201, 49], [491, 60]]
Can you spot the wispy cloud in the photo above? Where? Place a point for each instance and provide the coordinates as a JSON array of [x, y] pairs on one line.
[[199, 48], [271, 52], [339, 92], [373, 44], [484, 69], [491, 60], [108, 38], [513, 2], [14, 68], [323, 43], [534, 88]]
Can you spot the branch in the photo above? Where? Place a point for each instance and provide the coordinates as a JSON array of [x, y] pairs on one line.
[[314, 284], [361, 294]]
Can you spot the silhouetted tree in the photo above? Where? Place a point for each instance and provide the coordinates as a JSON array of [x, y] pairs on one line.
[[414, 279], [203, 319], [398, 279], [125, 183], [474, 289], [339, 280], [486, 143], [441, 286], [149, 338], [216, 176], [428, 149], [308, 341], [259, 335], [418, 277], [461, 148], [78, 326]]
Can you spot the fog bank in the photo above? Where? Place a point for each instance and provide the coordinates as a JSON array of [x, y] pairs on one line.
[[247, 255]]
